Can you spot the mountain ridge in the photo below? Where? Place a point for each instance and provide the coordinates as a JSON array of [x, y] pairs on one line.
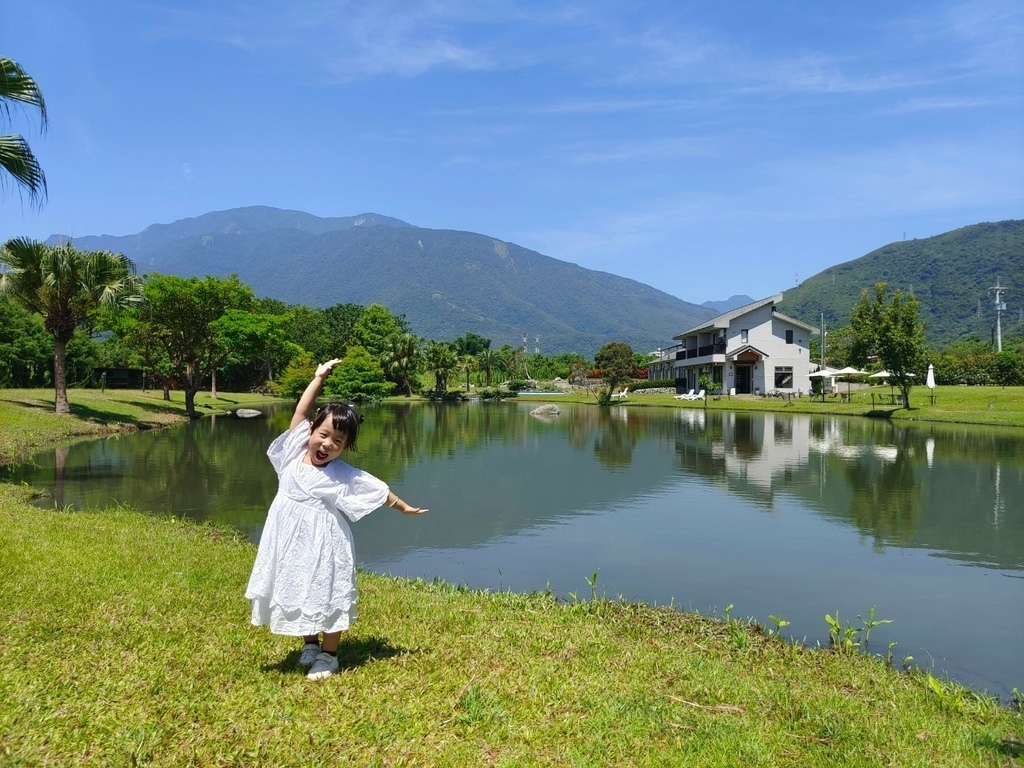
[[449, 282], [446, 282]]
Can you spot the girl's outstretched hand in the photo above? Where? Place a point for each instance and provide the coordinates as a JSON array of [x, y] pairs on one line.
[[415, 511], [325, 368]]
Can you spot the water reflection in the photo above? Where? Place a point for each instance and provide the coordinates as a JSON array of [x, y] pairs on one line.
[[796, 515]]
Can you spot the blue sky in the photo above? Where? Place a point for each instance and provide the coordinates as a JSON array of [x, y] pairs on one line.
[[707, 149]]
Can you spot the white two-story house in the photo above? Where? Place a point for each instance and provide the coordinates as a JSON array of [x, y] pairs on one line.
[[749, 350]]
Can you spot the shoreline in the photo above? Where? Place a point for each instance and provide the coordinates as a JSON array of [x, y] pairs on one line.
[[30, 424]]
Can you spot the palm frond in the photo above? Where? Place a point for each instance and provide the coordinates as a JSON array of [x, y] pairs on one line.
[[16, 159], [17, 85]]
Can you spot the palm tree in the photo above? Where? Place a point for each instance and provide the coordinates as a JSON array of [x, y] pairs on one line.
[[489, 361], [440, 359], [401, 359], [468, 364], [16, 159], [66, 286]]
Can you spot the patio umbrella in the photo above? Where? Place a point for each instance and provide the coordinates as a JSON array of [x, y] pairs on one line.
[[846, 373], [824, 373], [886, 375], [930, 382]]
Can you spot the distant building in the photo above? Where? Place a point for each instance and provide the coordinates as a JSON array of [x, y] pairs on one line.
[[752, 349]]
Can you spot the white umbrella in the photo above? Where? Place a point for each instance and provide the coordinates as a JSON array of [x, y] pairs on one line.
[[930, 383], [846, 373], [886, 375], [823, 373]]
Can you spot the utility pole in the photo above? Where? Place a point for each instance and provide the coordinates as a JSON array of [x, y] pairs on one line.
[[1000, 308], [823, 334]]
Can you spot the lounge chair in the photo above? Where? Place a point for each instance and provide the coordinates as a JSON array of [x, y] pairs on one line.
[[620, 395], [698, 396], [683, 396]]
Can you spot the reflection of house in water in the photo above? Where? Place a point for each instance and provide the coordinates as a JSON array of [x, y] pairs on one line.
[[832, 441], [758, 455], [765, 449]]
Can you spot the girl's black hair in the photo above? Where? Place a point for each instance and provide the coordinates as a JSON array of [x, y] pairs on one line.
[[344, 418]]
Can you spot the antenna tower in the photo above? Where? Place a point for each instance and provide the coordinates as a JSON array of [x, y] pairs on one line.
[[1000, 308]]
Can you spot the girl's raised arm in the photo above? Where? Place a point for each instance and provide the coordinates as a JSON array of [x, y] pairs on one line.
[[309, 395]]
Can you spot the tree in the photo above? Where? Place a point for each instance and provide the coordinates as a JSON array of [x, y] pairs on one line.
[[16, 158], [258, 345], [358, 377], [468, 364], [401, 359], [181, 314], [26, 349], [615, 361], [489, 361], [440, 359], [471, 344], [373, 328], [893, 332], [67, 287]]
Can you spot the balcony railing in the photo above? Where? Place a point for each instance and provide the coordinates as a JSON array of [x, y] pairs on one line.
[[681, 353]]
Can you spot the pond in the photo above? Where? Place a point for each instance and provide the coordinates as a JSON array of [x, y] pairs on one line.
[[792, 516]]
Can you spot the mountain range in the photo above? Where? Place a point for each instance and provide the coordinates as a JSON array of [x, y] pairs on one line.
[[448, 283]]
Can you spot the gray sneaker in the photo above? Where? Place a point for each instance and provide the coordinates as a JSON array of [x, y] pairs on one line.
[[309, 653], [324, 666]]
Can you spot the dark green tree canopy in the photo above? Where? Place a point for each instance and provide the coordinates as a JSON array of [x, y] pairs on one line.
[[891, 331]]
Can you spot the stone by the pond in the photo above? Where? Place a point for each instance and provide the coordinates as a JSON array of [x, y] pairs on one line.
[[248, 413], [548, 411]]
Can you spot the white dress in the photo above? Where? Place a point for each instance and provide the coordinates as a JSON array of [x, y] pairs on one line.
[[304, 578]]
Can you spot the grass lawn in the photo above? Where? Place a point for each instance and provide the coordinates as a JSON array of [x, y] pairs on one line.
[[1002, 406], [126, 642], [28, 423]]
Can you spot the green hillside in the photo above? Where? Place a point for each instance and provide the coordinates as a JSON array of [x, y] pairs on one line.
[[447, 283], [950, 274]]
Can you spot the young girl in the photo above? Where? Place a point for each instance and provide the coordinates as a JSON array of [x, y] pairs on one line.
[[304, 579]]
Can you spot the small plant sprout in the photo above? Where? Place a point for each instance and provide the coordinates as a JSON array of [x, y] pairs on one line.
[[842, 637], [871, 622], [727, 611], [779, 623], [592, 581], [888, 656]]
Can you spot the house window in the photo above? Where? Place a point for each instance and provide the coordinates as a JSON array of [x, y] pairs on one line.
[[743, 336], [784, 377], [789, 337]]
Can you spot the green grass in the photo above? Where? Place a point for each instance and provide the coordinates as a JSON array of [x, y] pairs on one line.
[[126, 642], [1002, 406], [29, 422]]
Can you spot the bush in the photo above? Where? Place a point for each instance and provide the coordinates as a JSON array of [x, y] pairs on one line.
[[658, 384], [495, 394]]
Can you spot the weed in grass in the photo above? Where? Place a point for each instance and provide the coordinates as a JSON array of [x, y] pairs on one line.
[[592, 581], [779, 624], [843, 638], [870, 623]]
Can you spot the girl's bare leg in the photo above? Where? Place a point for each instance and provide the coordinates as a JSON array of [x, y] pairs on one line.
[[311, 639], [331, 640]]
